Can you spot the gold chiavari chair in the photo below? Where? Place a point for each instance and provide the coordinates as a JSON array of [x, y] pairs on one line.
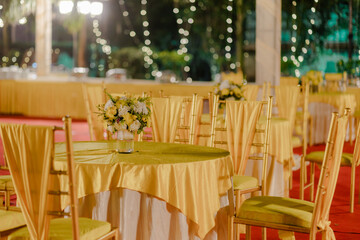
[[30, 151], [93, 96], [242, 127], [288, 214], [347, 160], [203, 123], [166, 114]]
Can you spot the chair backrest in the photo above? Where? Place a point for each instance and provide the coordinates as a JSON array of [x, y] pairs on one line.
[[30, 152], [165, 116], [251, 92], [187, 127], [242, 123], [289, 81], [93, 96], [329, 173], [286, 98]]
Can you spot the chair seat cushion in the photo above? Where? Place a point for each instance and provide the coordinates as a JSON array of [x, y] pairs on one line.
[[287, 211], [61, 228], [318, 156], [6, 182], [10, 220], [244, 182]]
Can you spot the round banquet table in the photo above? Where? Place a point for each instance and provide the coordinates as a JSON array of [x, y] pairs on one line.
[[159, 190]]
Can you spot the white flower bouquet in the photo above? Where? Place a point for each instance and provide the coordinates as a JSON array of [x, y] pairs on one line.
[[125, 113]]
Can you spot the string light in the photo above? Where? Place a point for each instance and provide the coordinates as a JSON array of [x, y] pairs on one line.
[[184, 26], [229, 30], [127, 21], [105, 47], [149, 62]]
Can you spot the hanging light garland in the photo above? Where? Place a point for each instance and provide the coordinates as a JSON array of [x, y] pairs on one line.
[[127, 21], [148, 53], [229, 30], [184, 25]]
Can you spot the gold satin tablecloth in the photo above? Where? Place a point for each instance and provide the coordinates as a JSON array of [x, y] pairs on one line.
[[190, 178], [321, 105]]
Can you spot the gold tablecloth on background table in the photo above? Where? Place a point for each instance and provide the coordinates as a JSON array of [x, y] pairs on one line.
[[190, 178], [321, 105], [59, 98], [339, 100]]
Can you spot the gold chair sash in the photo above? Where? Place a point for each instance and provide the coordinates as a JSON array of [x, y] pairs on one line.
[[241, 120], [251, 92], [94, 95], [165, 115], [29, 150], [287, 99]]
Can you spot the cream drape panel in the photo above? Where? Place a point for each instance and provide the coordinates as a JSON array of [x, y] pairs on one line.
[[93, 96], [29, 150], [165, 115], [328, 181], [287, 99], [251, 92], [241, 120]]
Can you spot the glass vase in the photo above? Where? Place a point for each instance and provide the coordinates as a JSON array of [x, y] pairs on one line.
[[124, 142]]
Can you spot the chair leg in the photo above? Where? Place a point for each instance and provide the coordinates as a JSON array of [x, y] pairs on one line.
[[352, 188], [248, 232], [263, 233], [311, 130], [312, 181], [302, 176], [350, 129], [230, 228]]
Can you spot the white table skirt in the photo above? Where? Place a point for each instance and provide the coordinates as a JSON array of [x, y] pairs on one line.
[[143, 217]]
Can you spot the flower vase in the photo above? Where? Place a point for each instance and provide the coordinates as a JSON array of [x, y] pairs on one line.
[[125, 141]]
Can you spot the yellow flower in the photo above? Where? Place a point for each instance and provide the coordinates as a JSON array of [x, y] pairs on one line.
[[111, 112], [225, 91], [237, 92], [129, 119], [119, 103]]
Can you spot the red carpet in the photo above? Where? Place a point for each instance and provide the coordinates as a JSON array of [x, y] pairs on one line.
[[346, 225]]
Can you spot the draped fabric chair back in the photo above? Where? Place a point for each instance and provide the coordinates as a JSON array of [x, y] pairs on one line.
[[286, 101], [289, 81], [188, 127], [29, 150], [251, 92], [165, 116], [93, 96], [241, 120], [328, 176]]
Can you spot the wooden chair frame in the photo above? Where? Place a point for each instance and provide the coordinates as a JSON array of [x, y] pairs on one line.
[[319, 198], [72, 193], [311, 184]]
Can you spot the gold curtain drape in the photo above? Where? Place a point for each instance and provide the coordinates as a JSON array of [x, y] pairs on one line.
[[287, 99], [29, 158]]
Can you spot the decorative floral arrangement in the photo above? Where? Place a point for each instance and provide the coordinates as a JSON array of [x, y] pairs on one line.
[[315, 77], [228, 90], [125, 113]]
